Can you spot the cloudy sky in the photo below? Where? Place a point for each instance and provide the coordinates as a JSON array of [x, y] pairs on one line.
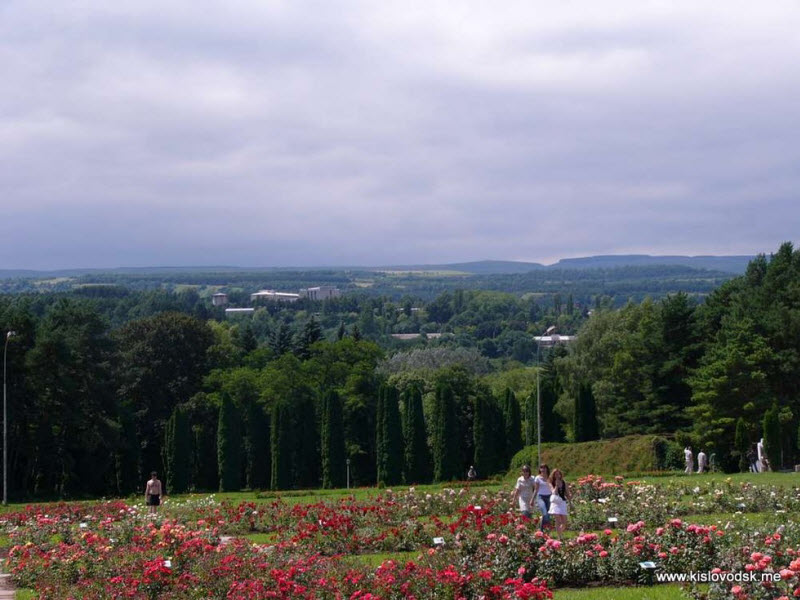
[[260, 133]]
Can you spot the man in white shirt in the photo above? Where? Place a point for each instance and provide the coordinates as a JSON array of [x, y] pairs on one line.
[[687, 453], [702, 462]]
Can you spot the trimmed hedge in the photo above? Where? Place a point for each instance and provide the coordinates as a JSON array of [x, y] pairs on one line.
[[630, 454]]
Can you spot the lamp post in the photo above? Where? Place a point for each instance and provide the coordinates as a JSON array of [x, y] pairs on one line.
[[548, 331], [9, 335], [348, 473]]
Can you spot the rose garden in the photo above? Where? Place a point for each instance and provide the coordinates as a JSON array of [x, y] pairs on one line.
[[459, 542]]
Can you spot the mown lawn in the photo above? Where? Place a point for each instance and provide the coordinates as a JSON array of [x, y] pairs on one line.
[[656, 592]]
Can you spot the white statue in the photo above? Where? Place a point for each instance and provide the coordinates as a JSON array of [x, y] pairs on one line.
[[760, 461]]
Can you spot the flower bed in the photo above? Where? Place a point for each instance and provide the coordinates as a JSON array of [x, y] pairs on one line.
[[468, 545]]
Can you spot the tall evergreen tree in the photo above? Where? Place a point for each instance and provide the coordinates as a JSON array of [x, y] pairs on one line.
[[333, 450], [742, 444], [488, 428], [178, 451], [446, 464], [306, 444], [585, 426], [417, 456], [513, 424], [312, 333], [257, 447], [772, 437], [229, 446], [389, 437], [281, 435], [531, 419]]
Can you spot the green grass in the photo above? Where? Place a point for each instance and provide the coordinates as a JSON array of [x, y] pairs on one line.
[[24, 594], [375, 560], [656, 592], [261, 538]]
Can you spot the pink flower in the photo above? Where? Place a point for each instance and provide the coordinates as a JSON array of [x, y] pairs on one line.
[[603, 554]]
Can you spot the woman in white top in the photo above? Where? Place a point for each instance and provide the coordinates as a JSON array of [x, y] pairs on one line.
[[558, 501], [523, 492], [542, 491]]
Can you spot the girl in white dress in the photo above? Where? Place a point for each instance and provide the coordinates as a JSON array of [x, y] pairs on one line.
[[558, 501]]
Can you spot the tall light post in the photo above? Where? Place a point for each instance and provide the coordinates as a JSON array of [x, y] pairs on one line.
[[348, 473], [9, 335], [548, 331]]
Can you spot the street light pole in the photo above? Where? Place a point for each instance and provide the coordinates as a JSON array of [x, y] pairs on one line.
[[548, 331], [9, 335], [348, 473]]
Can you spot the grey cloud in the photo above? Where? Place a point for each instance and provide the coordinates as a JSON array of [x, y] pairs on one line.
[[320, 133]]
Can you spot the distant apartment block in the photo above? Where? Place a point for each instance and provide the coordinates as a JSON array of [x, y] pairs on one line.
[[219, 299], [321, 292], [274, 296]]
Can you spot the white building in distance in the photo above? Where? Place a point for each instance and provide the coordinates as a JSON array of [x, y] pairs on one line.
[[239, 311], [321, 292], [219, 299], [274, 296]]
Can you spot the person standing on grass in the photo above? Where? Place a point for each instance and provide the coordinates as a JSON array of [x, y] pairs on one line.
[[687, 453], [523, 492], [152, 493], [558, 501], [702, 462], [542, 491]]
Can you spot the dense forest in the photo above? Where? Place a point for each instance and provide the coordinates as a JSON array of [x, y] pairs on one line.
[[107, 382]]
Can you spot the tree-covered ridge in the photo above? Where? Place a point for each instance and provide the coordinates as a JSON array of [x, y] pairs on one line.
[[105, 387]]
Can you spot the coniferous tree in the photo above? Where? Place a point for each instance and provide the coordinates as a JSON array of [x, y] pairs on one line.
[[585, 426], [488, 453], [257, 447], [742, 444], [531, 419], [772, 437], [445, 435], [229, 446], [312, 333], [356, 333], [417, 456], [341, 332], [281, 435], [513, 424], [306, 447], [178, 451], [389, 437], [333, 450]]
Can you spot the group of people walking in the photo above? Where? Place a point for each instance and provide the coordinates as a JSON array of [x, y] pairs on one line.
[[547, 492], [702, 461]]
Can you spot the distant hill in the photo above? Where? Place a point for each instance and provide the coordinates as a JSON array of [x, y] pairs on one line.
[[728, 264], [480, 267]]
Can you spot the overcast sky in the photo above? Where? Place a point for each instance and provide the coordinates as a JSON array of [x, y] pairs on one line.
[[259, 133]]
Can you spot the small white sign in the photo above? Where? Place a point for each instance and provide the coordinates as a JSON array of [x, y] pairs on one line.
[[612, 519], [648, 564], [83, 525], [476, 507], [438, 541], [168, 564]]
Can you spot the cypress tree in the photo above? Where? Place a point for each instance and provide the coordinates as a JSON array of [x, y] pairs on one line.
[[389, 437], [306, 447], [280, 438], [417, 455], [178, 448], [772, 437], [333, 451], [530, 419], [483, 438], [445, 435], [741, 444], [513, 425], [229, 446], [585, 427], [257, 447]]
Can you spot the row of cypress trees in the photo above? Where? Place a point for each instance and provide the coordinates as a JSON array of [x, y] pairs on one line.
[[283, 450]]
